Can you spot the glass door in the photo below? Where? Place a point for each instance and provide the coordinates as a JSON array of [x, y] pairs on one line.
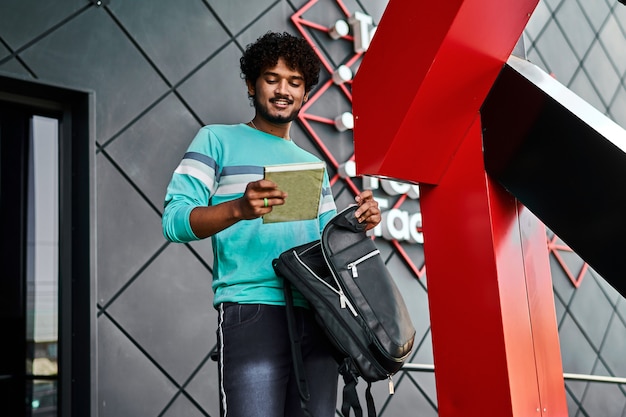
[[42, 267], [29, 270]]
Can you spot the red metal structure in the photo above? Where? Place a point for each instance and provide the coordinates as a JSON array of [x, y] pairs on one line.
[[416, 99]]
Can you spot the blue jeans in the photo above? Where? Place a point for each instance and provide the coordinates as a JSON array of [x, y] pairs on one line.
[[256, 368]]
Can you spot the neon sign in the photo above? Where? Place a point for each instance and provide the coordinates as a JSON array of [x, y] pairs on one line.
[[400, 226]]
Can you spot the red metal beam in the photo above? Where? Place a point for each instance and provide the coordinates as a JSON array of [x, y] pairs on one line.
[[416, 99], [495, 339], [423, 80]]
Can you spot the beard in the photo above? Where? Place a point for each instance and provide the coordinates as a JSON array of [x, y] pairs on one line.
[[264, 112]]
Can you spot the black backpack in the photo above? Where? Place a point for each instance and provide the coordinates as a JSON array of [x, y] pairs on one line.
[[356, 302]]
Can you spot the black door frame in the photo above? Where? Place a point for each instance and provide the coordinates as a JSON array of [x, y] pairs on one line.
[[77, 317], [13, 162]]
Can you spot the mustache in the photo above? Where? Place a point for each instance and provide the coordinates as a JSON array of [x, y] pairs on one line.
[[279, 97]]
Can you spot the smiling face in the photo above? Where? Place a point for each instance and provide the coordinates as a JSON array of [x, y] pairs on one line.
[[278, 93]]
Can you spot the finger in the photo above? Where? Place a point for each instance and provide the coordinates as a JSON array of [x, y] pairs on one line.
[[364, 196], [372, 222], [371, 217], [367, 208], [274, 201], [362, 215], [266, 185], [269, 202], [261, 186]]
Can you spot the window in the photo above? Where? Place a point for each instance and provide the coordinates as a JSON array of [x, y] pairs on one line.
[[47, 268], [42, 266]]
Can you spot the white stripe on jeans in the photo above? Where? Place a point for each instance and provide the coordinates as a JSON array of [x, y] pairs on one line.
[[221, 360]]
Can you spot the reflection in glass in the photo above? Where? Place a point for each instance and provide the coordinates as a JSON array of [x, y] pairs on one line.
[[42, 267]]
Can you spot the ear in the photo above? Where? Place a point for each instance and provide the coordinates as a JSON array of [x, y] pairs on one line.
[[251, 88], [306, 96]]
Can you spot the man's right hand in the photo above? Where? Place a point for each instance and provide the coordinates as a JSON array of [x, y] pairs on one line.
[[259, 198]]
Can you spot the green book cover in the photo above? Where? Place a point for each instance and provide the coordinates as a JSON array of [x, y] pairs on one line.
[[303, 184]]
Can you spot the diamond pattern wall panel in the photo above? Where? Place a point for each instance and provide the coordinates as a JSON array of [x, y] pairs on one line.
[[591, 34], [41, 17], [147, 147], [129, 383], [215, 94], [161, 69], [128, 232], [103, 59], [168, 311], [175, 36]]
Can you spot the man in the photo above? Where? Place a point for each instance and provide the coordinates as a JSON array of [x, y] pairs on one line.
[[218, 191]]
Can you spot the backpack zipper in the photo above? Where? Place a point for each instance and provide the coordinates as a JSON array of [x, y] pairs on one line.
[[347, 328], [352, 265], [332, 271], [343, 300]]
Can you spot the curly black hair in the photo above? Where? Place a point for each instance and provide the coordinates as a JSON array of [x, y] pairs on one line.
[[266, 51]]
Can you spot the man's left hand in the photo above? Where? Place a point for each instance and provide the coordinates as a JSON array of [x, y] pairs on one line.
[[368, 210]]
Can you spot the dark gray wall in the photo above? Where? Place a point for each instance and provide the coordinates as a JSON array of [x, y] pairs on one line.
[[161, 69], [581, 43]]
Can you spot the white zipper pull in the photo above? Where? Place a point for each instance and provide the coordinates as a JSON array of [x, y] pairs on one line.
[[355, 273], [352, 265], [391, 388], [346, 303]]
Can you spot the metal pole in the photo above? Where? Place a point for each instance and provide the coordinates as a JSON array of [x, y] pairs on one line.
[[418, 367]]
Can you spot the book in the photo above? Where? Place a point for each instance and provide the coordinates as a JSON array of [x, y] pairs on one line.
[[303, 184]]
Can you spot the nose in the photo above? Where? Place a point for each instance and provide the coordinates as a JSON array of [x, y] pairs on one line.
[[282, 87]]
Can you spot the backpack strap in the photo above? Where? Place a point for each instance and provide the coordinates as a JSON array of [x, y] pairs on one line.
[[371, 407], [350, 396], [350, 399], [296, 350]]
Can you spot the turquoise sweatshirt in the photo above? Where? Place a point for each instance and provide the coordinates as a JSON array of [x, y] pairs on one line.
[[219, 163]]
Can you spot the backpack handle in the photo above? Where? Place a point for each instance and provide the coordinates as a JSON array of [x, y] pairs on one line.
[[348, 220]]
